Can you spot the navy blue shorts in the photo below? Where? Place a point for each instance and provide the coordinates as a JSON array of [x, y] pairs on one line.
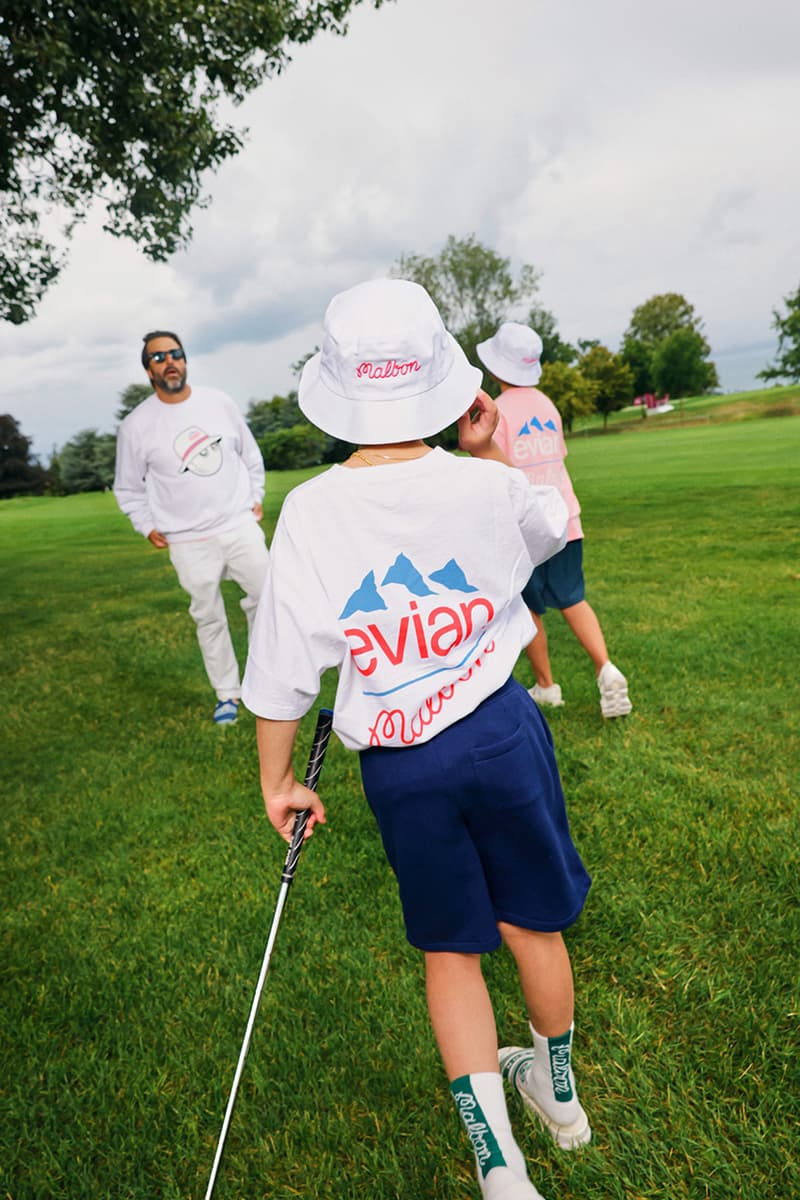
[[474, 826], [557, 583]]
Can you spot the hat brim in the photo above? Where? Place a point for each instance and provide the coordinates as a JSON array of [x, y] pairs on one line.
[[508, 372], [373, 422]]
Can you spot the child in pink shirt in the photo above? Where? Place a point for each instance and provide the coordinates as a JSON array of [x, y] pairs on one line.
[[530, 434]]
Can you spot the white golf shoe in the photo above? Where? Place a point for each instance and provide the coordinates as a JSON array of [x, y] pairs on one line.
[[566, 1123], [547, 695], [613, 685]]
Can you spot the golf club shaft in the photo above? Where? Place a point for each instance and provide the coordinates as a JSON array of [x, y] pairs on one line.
[[321, 735]]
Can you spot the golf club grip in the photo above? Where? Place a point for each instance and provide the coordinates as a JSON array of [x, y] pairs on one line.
[[315, 759]]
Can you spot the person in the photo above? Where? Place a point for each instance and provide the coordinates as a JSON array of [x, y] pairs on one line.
[[402, 568], [190, 477], [530, 433]]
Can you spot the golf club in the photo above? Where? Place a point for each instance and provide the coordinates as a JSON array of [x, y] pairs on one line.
[[321, 735]]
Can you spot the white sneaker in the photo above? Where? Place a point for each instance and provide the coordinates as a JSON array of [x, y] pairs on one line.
[[503, 1184], [568, 1131], [547, 695], [613, 687]]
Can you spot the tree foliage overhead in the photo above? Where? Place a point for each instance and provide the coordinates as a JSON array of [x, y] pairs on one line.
[[119, 103], [787, 362], [651, 324]]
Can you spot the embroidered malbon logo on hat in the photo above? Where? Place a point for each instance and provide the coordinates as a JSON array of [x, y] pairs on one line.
[[388, 369]]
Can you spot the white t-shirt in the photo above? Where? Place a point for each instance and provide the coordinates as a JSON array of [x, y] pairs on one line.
[[406, 579], [190, 470]]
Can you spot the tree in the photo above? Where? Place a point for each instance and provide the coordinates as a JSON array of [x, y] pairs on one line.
[[475, 290], [268, 416], [131, 398], [613, 377], [787, 362], [679, 367], [20, 473], [290, 449], [554, 349], [119, 103], [651, 324], [473, 287], [572, 394], [87, 462]]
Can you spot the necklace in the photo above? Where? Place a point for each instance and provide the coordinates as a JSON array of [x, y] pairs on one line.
[[388, 457]]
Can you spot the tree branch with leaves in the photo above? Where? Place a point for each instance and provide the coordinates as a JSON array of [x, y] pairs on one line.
[[119, 104]]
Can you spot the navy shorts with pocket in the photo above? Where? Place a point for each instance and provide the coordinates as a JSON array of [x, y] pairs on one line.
[[558, 582], [475, 828]]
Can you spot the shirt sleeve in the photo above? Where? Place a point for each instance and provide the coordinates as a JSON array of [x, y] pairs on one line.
[[250, 455], [295, 636], [542, 515], [129, 483]]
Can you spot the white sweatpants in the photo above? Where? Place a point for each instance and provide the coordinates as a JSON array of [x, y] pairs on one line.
[[240, 555]]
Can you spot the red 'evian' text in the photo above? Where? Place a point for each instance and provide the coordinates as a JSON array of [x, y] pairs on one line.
[[387, 370], [418, 638]]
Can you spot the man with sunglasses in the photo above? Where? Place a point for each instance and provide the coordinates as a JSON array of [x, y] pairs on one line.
[[190, 477]]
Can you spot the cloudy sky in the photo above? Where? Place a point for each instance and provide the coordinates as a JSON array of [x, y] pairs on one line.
[[622, 148]]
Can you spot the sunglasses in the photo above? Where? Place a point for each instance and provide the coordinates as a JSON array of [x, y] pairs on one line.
[[159, 356]]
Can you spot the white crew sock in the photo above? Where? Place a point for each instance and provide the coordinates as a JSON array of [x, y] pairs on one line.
[[550, 1080], [482, 1104]]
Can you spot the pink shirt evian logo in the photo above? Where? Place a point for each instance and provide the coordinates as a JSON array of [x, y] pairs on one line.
[[387, 370]]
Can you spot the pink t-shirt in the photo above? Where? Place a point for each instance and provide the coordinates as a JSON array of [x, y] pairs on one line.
[[531, 435]]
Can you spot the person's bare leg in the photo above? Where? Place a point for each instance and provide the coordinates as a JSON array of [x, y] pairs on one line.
[[463, 1023], [461, 1013], [584, 624], [545, 975], [543, 1075], [538, 655]]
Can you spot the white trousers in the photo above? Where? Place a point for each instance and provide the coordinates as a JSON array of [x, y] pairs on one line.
[[240, 555]]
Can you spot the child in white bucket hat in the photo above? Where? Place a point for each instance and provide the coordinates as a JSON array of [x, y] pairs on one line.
[[530, 433], [402, 568]]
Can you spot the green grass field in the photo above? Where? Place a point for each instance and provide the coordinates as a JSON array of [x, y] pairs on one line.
[[140, 875]]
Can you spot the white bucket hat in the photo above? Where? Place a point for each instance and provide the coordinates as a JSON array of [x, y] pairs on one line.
[[513, 354], [388, 370]]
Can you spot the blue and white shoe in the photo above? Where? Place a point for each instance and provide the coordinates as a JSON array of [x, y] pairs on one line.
[[226, 712]]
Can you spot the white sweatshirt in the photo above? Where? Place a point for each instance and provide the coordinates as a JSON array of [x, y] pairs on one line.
[[406, 579], [190, 470]]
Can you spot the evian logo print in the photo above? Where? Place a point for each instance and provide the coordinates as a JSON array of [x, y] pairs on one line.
[[427, 633], [387, 370]]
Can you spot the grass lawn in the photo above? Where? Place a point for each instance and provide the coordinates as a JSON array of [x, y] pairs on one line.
[[140, 875], [729, 406]]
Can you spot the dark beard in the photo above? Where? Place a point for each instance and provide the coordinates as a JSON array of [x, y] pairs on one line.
[[173, 384]]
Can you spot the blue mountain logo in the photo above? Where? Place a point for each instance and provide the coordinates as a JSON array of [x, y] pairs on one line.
[[403, 571], [367, 597], [535, 423]]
